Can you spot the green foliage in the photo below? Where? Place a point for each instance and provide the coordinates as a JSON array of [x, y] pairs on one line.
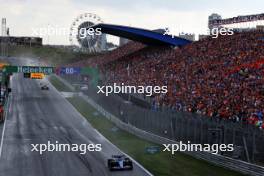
[[49, 54]]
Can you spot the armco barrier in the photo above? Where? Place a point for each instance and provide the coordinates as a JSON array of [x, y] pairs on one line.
[[219, 160]]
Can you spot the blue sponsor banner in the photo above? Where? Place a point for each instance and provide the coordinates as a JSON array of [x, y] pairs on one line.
[[69, 70]]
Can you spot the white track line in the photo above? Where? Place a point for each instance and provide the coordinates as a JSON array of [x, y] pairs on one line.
[[3, 132]]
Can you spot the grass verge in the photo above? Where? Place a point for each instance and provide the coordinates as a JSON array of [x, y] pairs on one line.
[[60, 86]]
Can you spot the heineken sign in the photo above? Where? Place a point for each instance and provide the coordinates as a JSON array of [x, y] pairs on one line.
[[34, 69]]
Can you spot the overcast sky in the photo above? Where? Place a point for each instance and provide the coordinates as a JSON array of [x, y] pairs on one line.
[[180, 16]]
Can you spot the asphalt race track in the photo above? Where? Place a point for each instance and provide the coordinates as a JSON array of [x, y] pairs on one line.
[[37, 116]]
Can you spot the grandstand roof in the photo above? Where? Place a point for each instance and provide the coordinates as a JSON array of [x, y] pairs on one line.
[[142, 35]]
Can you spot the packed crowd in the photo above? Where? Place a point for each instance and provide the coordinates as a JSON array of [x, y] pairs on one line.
[[221, 77]]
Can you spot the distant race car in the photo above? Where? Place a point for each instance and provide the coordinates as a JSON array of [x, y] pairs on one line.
[[44, 87], [119, 162]]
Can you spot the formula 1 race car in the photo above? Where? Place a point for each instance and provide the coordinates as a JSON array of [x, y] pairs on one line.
[[119, 162], [44, 87]]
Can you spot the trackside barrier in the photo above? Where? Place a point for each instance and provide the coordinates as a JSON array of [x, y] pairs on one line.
[[219, 160]]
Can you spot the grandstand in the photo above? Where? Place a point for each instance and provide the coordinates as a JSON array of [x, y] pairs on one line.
[[221, 78]]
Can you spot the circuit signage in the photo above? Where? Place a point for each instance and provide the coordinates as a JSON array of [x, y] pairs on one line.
[[37, 75], [34, 69], [69, 70]]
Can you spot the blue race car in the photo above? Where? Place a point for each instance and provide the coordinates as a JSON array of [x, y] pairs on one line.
[[119, 162]]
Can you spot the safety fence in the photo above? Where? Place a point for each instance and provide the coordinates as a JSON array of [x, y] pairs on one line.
[[179, 126]]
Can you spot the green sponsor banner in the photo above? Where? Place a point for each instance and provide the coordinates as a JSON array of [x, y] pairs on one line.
[[34, 69], [10, 69], [89, 71], [28, 69], [93, 73]]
